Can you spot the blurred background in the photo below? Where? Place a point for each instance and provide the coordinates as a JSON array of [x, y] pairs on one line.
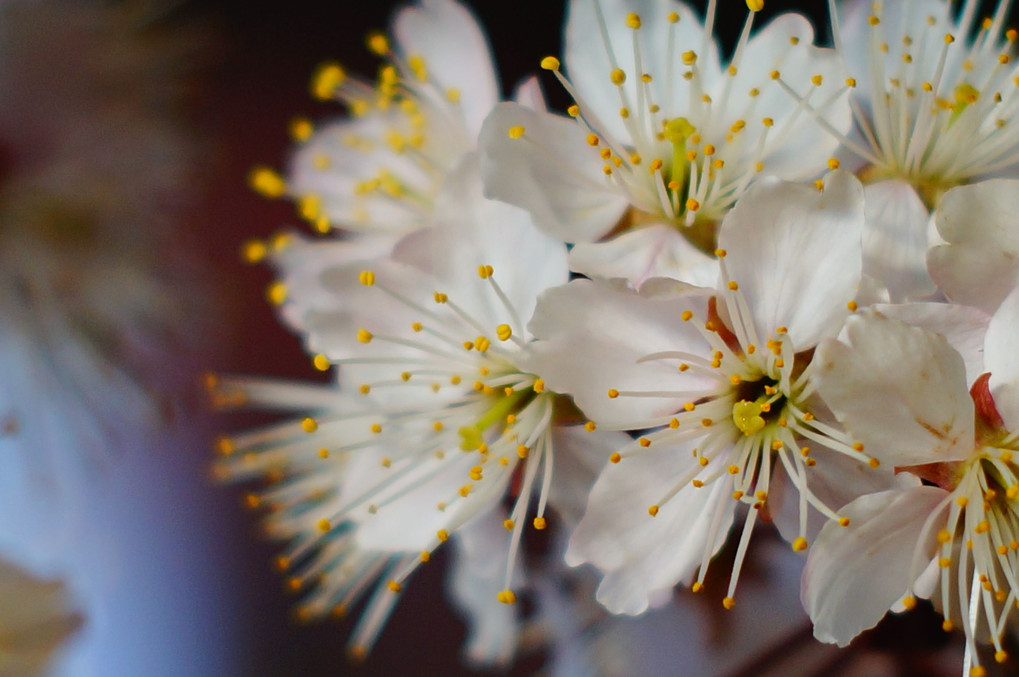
[[141, 120]]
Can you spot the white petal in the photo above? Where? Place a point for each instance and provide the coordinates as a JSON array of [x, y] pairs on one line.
[[478, 575], [964, 328], [529, 93], [854, 574], [455, 51], [638, 255], [580, 457], [796, 254], [895, 239], [980, 265], [900, 390], [593, 334], [470, 231], [795, 147], [644, 555], [588, 64], [1002, 359], [551, 171]]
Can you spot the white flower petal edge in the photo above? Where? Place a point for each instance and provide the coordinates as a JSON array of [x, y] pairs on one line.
[[542, 162], [856, 573], [1001, 355], [924, 413], [980, 264], [895, 239], [801, 265], [455, 52]]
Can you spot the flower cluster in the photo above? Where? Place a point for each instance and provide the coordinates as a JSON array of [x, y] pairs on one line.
[[721, 294]]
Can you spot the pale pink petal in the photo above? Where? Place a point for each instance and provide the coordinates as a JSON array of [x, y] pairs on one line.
[[550, 170], [592, 335], [898, 389], [980, 264], [895, 239], [796, 254], [854, 574], [964, 327], [644, 253], [1002, 358], [579, 458], [529, 93], [455, 53]]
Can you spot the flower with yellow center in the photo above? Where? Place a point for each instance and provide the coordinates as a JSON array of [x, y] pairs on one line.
[[720, 384], [663, 138], [903, 390]]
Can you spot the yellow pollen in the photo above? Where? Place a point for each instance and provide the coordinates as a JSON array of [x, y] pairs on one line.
[[909, 602], [617, 76], [539, 523], [703, 461], [367, 278], [983, 527], [503, 332], [698, 483], [692, 205], [816, 80], [1000, 656], [728, 602], [590, 426], [378, 44], [873, 20], [673, 17], [850, 82], [394, 586], [254, 251], [755, 5], [653, 510], [309, 425], [644, 442], [733, 469], [800, 544], [962, 501], [615, 458], [633, 21], [515, 132], [539, 385], [440, 297], [376, 428], [442, 535], [508, 525], [573, 111], [522, 451], [550, 63], [506, 597], [482, 344], [655, 165], [267, 182], [327, 78], [592, 140], [874, 463], [767, 122], [324, 525], [689, 58], [948, 625], [945, 562], [613, 393]]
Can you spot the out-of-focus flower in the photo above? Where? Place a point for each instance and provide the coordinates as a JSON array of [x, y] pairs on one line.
[[663, 132], [436, 420], [724, 378], [904, 391], [36, 618], [379, 171]]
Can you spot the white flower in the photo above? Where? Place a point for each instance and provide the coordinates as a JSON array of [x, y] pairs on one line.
[[380, 170], [932, 105], [978, 264], [661, 128], [723, 379], [435, 420], [36, 618], [903, 390]]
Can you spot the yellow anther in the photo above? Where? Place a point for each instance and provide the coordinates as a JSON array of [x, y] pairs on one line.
[[909, 602], [874, 463], [324, 525], [442, 535], [709, 149], [698, 483], [633, 21], [615, 458], [653, 510], [644, 442], [850, 82], [692, 205], [703, 461], [613, 393], [508, 524], [266, 182], [816, 80], [453, 95], [617, 76], [394, 586], [800, 544], [573, 111], [506, 597], [522, 451], [755, 5], [515, 132], [378, 44], [327, 78], [945, 562], [767, 122], [364, 336], [983, 527], [774, 75], [962, 501], [539, 523], [1000, 656], [539, 385], [376, 428], [440, 297], [689, 58], [873, 20], [673, 17], [624, 112], [254, 251], [733, 470], [309, 425], [592, 140], [590, 426], [728, 602], [947, 625], [550, 63]]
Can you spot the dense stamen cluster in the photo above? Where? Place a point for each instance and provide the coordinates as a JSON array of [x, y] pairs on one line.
[[754, 420]]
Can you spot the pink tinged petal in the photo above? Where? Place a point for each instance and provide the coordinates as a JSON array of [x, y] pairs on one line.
[[1002, 359], [796, 253], [797, 147], [588, 65], [455, 52], [980, 264], [854, 574], [550, 170], [643, 555], [900, 390], [644, 253], [592, 334], [964, 328], [895, 240], [529, 93]]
